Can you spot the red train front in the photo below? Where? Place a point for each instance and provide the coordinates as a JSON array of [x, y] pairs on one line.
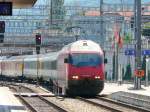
[[84, 68]]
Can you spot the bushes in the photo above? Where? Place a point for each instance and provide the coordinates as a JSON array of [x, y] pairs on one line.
[[128, 73]]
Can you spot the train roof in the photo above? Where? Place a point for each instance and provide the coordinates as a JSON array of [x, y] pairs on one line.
[[78, 46], [82, 46], [51, 56], [2, 58]]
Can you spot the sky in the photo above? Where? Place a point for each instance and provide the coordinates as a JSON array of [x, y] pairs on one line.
[[90, 2], [96, 2]]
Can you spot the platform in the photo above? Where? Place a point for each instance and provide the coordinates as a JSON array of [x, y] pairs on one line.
[[110, 88], [8, 102]]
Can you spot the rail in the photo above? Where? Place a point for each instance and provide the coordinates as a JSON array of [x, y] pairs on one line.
[[123, 104], [36, 103]]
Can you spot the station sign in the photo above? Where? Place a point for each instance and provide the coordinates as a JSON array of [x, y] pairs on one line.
[[139, 73], [132, 52], [146, 52]]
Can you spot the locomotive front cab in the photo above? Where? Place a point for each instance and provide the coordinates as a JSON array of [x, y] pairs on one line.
[[85, 73]]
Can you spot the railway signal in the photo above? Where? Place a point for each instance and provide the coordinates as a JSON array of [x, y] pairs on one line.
[[38, 43], [38, 39], [2, 31], [1, 38], [2, 26]]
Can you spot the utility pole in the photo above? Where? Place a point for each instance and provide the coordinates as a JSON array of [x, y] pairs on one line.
[[135, 78], [137, 84]]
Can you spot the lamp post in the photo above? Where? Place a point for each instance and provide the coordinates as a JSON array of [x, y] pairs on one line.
[[76, 31], [147, 64], [146, 75]]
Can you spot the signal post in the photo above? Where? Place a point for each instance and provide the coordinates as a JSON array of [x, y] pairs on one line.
[[38, 46]]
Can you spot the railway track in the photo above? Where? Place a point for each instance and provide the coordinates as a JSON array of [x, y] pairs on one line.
[[40, 104], [136, 108], [111, 105], [36, 103]]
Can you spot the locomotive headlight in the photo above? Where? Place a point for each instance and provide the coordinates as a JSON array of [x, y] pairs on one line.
[[97, 77], [75, 77]]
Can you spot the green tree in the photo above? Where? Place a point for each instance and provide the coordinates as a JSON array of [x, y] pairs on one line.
[[128, 73], [127, 38], [146, 29], [144, 66]]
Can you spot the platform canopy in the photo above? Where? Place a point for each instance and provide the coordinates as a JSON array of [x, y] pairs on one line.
[[21, 3]]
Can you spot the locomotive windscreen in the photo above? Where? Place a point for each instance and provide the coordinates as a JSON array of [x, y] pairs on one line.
[[86, 59]]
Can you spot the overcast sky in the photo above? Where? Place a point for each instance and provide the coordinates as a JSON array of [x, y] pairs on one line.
[[89, 2], [96, 2]]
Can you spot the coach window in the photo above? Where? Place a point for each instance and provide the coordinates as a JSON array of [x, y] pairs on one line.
[[53, 65]]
